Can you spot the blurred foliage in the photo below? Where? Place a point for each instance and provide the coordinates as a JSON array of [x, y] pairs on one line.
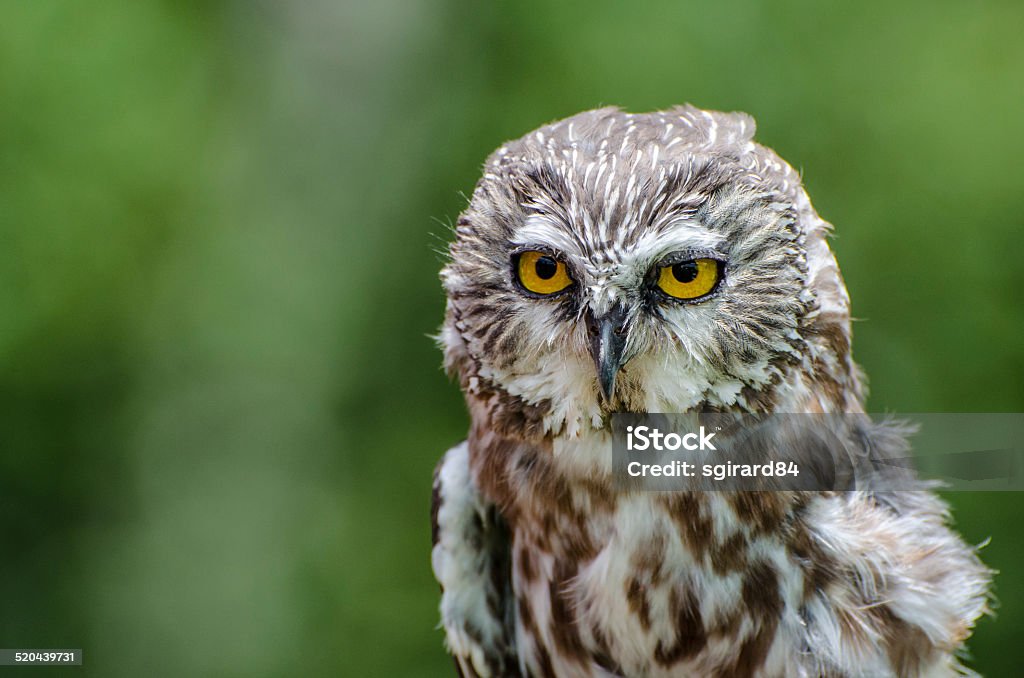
[[219, 403]]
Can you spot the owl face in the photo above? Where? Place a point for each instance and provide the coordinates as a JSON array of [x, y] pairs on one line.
[[654, 263]]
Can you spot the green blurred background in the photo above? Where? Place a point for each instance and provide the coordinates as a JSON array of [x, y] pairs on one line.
[[219, 406]]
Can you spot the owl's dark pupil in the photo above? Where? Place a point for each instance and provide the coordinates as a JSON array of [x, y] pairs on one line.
[[685, 272], [546, 268]]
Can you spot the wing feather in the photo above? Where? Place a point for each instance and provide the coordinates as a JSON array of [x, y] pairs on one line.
[[471, 560]]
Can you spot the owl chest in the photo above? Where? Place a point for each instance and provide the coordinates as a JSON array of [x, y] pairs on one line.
[[650, 586]]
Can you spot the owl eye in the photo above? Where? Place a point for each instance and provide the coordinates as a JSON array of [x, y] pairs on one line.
[[541, 273], [689, 279]]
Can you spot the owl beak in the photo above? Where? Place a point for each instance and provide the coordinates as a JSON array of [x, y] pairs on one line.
[[607, 343]]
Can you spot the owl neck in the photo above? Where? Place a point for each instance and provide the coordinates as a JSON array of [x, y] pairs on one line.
[[816, 386]]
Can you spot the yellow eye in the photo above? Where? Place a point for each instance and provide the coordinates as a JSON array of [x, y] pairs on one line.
[[541, 273], [689, 279]]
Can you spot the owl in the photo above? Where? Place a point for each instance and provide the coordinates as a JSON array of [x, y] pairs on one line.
[[665, 262]]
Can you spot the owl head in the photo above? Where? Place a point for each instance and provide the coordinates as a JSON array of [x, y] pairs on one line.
[[659, 262]]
